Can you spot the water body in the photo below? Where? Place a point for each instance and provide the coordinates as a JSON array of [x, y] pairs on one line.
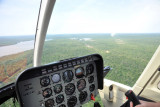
[[17, 48]]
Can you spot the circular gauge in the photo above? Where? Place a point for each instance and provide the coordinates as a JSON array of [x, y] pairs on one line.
[[82, 96], [56, 78], [81, 84], [69, 89], [92, 87], [49, 103], [90, 79], [89, 69], [47, 92], [72, 101], [57, 88], [62, 105], [68, 76], [44, 81], [59, 99], [79, 72]]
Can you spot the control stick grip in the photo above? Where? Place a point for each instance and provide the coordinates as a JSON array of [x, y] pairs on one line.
[[132, 97]]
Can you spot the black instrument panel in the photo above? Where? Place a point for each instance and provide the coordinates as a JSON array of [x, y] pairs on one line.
[[67, 83]]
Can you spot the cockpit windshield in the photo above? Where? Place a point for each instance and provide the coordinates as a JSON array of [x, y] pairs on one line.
[[17, 33], [124, 32]]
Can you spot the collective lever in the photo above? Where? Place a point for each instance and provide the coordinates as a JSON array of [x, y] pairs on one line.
[[132, 97]]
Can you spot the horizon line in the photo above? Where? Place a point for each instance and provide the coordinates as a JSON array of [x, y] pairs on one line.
[[81, 33]]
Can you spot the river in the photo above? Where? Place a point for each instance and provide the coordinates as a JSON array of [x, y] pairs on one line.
[[17, 48]]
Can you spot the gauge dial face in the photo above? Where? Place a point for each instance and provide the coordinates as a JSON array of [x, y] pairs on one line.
[[44, 81], [57, 88], [82, 96], [79, 72], [72, 101], [49, 103], [56, 78], [89, 69], [47, 92], [68, 76], [90, 79], [81, 84], [59, 99], [92, 87], [69, 89]]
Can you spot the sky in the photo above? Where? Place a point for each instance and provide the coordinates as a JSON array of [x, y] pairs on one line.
[[19, 17]]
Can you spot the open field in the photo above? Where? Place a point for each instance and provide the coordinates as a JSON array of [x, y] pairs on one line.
[[127, 54]]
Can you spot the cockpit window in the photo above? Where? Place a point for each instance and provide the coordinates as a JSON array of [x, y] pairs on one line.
[[18, 20], [125, 33]]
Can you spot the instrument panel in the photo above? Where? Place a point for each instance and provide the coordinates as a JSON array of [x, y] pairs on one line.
[[68, 83]]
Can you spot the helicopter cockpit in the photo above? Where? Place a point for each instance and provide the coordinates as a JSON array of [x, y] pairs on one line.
[[76, 79]]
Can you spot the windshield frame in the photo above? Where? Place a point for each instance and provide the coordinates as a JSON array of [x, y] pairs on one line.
[[45, 12]]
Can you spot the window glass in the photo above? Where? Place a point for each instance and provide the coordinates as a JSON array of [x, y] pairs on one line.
[[125, 32], [18, 20]]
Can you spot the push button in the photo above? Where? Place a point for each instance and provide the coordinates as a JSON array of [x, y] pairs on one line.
[[55, 68], [60, 67], [65, 65], [78, 62], [69, 64], [74, 63], [82, 60]]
